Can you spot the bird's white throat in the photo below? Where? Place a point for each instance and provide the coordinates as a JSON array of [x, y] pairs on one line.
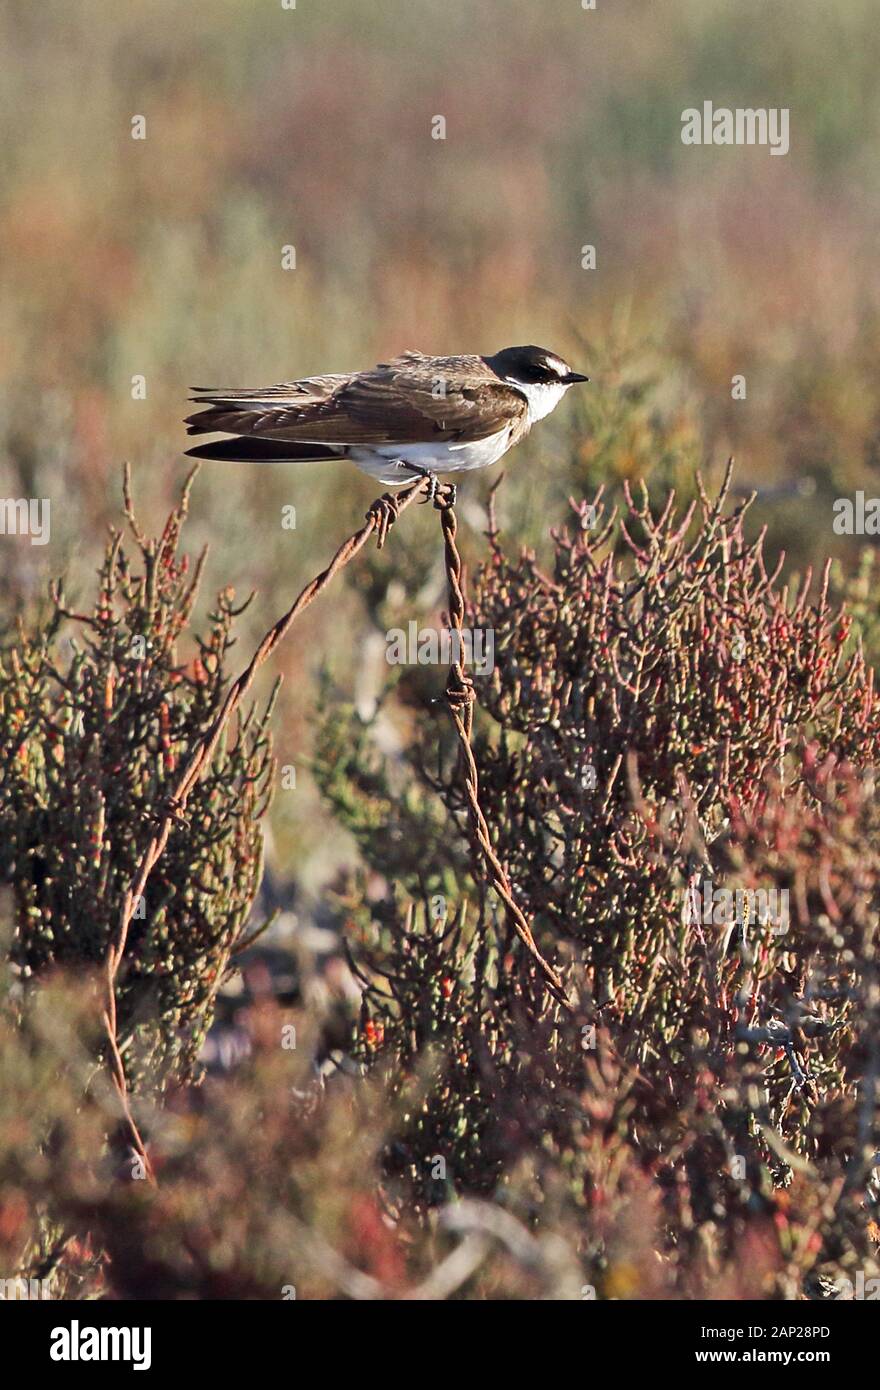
[[541, 396]]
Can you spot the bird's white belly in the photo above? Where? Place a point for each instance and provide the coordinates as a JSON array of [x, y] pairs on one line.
[[383, 462]]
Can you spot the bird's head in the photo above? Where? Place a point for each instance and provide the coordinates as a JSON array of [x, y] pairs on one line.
[[541, 376]]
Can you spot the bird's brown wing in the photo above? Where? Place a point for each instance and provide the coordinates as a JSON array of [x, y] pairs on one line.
[[415, 398], [410, 399], [261, 409]]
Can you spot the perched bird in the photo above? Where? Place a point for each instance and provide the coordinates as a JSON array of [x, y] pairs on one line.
[[414, 416]]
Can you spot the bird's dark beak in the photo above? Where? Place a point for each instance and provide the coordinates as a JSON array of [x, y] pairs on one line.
[[571, 377]]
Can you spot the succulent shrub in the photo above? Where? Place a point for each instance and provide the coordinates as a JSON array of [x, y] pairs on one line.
[[665, 717], [672, 743], [97, 710]]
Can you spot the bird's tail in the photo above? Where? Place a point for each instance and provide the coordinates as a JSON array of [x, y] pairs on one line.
[[247, 449]]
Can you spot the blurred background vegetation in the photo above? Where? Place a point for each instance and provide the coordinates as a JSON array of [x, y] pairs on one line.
[[311, 127]]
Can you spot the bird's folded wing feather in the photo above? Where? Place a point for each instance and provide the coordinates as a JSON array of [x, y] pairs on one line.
[[407, 400]]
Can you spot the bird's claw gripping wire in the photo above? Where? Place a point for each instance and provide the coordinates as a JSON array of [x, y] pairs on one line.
[[441, 494], [433, 484], [432, 480]]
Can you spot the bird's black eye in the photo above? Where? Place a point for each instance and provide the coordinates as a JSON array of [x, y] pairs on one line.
[[539, 375]]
